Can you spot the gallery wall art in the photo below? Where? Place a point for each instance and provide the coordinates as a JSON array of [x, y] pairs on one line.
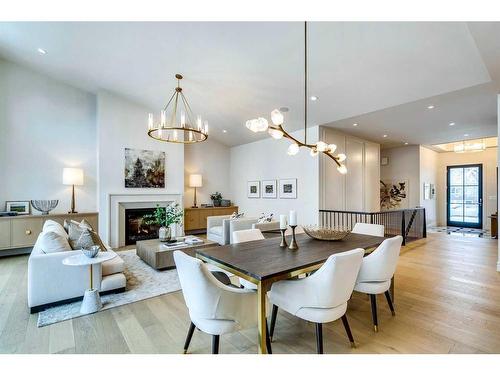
[[253, 189], [288, 188], [394, 195], [144, 168], [269, 189]]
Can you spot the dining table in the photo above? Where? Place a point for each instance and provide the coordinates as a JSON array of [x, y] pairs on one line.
[[264, 262]]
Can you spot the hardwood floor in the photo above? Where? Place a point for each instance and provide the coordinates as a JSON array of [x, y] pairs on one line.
[[447, 301]]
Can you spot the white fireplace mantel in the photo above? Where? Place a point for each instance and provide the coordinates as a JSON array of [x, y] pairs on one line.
[[116, 208]]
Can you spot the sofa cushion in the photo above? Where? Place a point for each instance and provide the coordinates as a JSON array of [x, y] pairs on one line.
[[79, 237], [95, 237], [51, 242], [216, 230], [54, 226], [112, 266]]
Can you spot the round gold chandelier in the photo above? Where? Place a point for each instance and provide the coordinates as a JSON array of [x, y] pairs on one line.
[[177, 123], [277, 131]]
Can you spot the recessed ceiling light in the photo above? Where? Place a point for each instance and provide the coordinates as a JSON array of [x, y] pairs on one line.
[[355, 124], [466, 135], [41, 51], [224, 131], [314, 98], [385, 136], [406, 143], [430, 106], [451, 124]]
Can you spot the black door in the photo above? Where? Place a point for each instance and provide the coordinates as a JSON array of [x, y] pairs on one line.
[[465, 196]]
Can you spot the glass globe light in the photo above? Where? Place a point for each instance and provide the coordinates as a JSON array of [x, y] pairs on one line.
[[261, 124], [341, 157], [313, 152], [321, 146], [293, 149], [331, 148], [276, 134], [342, 169], [277, 117]]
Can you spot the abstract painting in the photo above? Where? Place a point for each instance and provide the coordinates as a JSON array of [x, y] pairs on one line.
[[144, 168], [253, 189], [394, 195], [288, 188], [269, 189]]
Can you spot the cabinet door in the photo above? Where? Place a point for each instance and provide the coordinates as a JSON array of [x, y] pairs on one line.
[[4, 234], [203, 217], [191, 219], [355, 177], [25, 231]]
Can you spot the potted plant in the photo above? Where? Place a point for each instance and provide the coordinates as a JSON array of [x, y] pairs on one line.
[[216, 198], [165, 217]]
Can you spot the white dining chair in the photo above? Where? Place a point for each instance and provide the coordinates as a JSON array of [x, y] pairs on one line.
[[214, 308], [321, 297], [246, 236], [369, 229], [376, 273]]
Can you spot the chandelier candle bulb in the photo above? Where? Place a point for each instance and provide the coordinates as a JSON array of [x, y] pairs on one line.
[[321, 146], [277, 117], [342, 169], [293, 149], [332, 148], [163, 118], [276, 134], [150, 121], [314, 152], [183, 120], [341, 157]]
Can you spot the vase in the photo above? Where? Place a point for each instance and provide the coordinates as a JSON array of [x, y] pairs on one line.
[[216, 203], [164, 234]]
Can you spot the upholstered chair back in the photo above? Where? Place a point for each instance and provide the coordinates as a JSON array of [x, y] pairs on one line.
[[369, 229], [381, 264], [247, 235]]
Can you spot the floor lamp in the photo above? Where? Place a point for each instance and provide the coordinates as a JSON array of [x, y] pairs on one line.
[[195, 181]]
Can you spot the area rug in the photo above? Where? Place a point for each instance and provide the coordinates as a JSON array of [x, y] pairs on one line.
[[143, 282]]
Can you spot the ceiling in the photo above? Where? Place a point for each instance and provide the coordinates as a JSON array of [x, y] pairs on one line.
[[379, 75], [450, 147]]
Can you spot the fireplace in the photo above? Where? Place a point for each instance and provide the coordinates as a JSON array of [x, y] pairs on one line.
[[135, 228]]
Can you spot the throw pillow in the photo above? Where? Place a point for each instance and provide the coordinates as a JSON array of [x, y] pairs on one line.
[[79, 237], [51, 242], [95, 237], [237, 216]]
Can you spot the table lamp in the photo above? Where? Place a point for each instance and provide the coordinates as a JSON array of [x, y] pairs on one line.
[[73, 176], [195, 181]]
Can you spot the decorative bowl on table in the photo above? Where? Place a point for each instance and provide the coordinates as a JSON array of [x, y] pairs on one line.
[[325, 233], [92, 251], [44, 205]]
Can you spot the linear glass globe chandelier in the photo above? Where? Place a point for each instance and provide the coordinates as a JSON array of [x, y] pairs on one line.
[[177, 122], [277, 131]]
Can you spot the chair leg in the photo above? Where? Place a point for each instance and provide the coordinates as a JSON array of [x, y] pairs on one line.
[[348, 330], [319, 338], [389, 302], [215, 344], [268, 341], [373, 300], [189, 337], [273, 321]]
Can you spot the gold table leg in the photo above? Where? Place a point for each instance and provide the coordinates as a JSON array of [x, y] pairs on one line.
[[261, 316]]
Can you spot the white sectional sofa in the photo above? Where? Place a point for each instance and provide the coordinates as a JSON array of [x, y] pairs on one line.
[[50, 282]]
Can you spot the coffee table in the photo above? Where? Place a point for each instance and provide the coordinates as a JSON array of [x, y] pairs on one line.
[[160, 257], [91, 299]]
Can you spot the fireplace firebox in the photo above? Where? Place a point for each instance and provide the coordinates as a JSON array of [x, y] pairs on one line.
[[135, 227]]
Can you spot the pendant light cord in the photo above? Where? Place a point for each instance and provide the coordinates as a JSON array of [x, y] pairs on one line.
[[305, 82]]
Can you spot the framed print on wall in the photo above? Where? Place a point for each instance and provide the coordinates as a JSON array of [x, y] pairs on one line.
[[288, 188], [253, 189], [269, 189]]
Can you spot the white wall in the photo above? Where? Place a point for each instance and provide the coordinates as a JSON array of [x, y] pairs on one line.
[[429, 174], [268, 159], [358, 190], [211, 159], [404, 164], [498, 165], [45, 125], [122, 124]]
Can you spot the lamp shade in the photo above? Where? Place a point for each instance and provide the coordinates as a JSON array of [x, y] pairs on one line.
[[195, 180], [72, 176]]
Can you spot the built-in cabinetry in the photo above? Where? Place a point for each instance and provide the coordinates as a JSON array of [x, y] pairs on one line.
[[196, 218], [359, 189], [23, 230]]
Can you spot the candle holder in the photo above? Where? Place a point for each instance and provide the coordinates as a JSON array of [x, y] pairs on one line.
[[283, 238], [293, 244]]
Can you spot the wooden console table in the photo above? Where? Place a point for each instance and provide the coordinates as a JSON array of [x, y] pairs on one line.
[[22, 230], [196, 218]]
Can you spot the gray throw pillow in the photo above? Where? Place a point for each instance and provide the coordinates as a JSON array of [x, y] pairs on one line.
[[79, 237], [84, 224]]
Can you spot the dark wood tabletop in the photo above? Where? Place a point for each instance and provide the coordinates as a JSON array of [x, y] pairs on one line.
[[264, 259]]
